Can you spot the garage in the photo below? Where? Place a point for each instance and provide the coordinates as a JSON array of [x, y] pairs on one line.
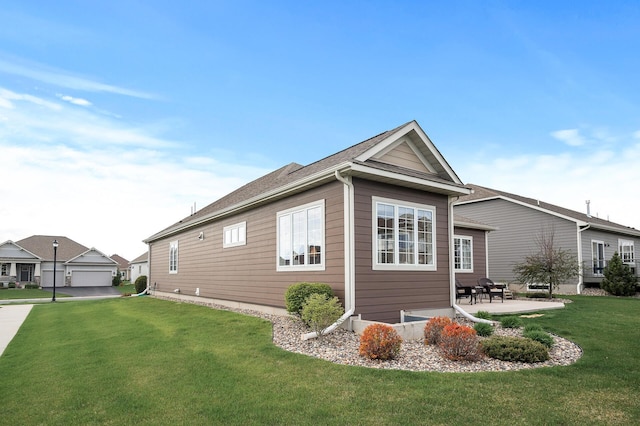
[[47, 279], [91, 278]]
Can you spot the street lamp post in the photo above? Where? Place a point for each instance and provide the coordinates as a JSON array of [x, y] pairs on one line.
[[55, 250]]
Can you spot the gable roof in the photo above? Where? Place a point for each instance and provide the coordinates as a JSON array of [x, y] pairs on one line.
[[92, 256], [481, 194], [11, 250], [42, 246], [364, 159], [144, 257], [121, 261]]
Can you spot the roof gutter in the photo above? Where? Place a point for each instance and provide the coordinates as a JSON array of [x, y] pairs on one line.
[[349, 258]]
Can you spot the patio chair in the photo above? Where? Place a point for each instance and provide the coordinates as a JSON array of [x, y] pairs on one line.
[[465, 291], [492, 289]]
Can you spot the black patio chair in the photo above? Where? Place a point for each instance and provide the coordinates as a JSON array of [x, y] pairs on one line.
[[492, 289], [465, 291]]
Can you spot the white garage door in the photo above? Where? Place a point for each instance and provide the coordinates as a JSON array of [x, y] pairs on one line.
[[90, 278], [47, 279]]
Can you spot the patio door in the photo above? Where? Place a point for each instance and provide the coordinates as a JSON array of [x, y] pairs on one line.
[[597, 249]]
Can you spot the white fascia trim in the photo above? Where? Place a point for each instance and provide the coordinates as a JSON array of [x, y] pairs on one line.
[[452, 189], [470, 225], [631, 232], [22, 249], [411, 146]]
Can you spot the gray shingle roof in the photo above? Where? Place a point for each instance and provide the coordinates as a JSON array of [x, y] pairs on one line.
[[42, 246], [484, 193]]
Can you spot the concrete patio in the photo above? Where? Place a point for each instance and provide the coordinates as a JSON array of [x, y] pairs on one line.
[[509, 306]]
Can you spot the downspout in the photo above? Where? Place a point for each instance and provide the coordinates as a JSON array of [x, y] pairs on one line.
[[580, 257], [452, 272], [349, 258]]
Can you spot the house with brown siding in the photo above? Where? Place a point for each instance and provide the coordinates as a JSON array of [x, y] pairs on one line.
[[373, 221], [519, 220]]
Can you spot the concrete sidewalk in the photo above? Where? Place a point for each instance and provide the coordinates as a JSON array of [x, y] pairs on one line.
[[11, 318]]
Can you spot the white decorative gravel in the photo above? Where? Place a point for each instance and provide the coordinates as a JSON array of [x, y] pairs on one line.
[[341, 347]]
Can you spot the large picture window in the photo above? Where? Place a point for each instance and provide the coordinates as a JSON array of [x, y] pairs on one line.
[[626, 251], [463, 254], [173, 257], [404, 235], [301, 237]]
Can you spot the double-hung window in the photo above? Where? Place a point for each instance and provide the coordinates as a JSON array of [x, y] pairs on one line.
[[626, 251], [301, 238], [404, 235], [463, 253], [173, 257], [235, 235]]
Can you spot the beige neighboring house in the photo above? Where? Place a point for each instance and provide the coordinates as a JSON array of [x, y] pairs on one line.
[[123, 266], [139, 266], [31, 260]]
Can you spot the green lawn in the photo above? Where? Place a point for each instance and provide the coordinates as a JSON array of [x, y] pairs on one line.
[[148, 361], [30, 293]]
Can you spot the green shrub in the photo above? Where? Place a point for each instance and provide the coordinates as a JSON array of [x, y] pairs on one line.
[[618, 278], [141, 283], [514, 349], [539, 336], [483, 329], [296, 295], [532, 327], [433, 329], [12, 285], [380, 341], [483, 315], [31, 286], [459, 343], [117, 279], [537, 295], [320, 311], [510, 322]]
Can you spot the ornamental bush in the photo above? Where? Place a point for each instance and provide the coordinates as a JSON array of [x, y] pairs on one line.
[[539, 336], [296, 295], [483, 329], [459, 343], [483, 315], [117, 279], [320, 311], [140, 283], [380, 341], [532, 327], [514, 349], [433, 329], [618, 278], [510, 322]]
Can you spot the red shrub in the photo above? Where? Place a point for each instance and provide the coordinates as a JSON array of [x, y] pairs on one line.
[[433, 329], [459, 343], [380, 341]]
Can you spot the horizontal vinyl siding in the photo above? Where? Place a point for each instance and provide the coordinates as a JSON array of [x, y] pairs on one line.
[[248, 273], [519, 227], [479, 256], [381, 295]]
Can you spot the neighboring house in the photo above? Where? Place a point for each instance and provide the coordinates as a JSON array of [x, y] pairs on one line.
[[123, 267], [31, 260], [139, 266], [520, 221], [373, 221], [470, 248]]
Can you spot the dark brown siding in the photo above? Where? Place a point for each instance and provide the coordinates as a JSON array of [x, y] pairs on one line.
[[479, 256], [248, 273], [380, 295]]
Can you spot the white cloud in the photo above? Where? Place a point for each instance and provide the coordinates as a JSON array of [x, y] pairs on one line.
[[75, 101], [61, 78], [606, 177], [117, 187], [569, 136]]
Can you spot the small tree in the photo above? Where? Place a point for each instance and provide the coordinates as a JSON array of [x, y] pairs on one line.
[[550, 265], [117, 279], [320, 311], [618, 278]]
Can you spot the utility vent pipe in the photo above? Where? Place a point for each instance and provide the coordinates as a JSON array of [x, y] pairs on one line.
[[588, 208]]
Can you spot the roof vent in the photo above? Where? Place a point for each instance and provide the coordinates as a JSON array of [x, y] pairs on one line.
[[588, 208]]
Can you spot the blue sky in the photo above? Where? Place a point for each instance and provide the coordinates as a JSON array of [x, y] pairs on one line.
[[115, 117]]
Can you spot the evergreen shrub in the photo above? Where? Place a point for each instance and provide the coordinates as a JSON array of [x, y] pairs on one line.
[[140, 283], [618, 278], [510, 322], [483, 315], [539, 336], [514, 349], [483, 329], [297, 294], [380, 341]]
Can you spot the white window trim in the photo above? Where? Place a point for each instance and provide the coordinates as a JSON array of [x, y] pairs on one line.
[[604, 256], [622, 242], [374, 232], [463, 237], [172, 245], [241, 227], [306, 267]]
